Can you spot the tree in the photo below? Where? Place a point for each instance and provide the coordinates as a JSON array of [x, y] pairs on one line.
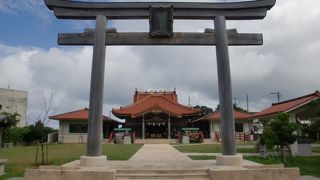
[[7, 120], [47, 107], [313, 130], [235, 108], [280, 133], [205, 110]]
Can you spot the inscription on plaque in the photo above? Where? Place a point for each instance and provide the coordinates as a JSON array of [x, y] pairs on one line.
[[161, 22]]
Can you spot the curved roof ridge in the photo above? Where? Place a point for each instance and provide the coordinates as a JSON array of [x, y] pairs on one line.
[[152, 101], [160, 107], [135, 103], [181, 105]]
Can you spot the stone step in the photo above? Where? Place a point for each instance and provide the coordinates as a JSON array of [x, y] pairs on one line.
[[184, 171], [162, 174], [156, 141]]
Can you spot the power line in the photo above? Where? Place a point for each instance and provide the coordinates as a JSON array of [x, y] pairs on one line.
[[278, 95], [235, 100]]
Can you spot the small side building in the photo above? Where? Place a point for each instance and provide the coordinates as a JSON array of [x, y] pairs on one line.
[[300, 110], [14, 101], [73, 126], [210, 124]]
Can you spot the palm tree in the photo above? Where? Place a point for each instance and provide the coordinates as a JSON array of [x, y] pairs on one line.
[[7, 120]]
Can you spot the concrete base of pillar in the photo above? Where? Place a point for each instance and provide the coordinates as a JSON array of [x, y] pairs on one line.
[[235, 160], [2, 164], [87, 161]]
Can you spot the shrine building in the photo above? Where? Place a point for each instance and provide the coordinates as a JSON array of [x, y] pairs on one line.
[[156, 114], [210, 124], [73, 126]]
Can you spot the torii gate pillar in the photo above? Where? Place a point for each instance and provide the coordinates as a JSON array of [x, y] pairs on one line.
[[228, 156], [94, 157]]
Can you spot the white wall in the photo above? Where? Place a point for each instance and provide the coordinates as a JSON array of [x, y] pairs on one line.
[[14, 101], [66, 137], [215, 127]]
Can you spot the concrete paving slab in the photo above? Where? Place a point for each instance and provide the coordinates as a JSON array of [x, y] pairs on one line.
[[308, 178]]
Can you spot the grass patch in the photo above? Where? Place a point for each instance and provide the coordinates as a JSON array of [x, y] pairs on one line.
[[246, 150], [202, 157], [316, 149], [120, 151], [268, 160], [20, 158], [307, 165], [246, 143]]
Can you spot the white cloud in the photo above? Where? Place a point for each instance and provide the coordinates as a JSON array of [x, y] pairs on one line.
[[35, 7]]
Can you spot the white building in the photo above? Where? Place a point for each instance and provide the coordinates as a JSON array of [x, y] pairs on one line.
[[210, 125], [73, 126], [300, 110], [14, 101]]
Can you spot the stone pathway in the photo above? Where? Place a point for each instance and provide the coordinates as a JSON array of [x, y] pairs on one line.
[[158, 153], [164, 156], [308, 178]]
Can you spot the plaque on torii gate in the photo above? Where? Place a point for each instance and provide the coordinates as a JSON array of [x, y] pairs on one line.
[[161, 17]]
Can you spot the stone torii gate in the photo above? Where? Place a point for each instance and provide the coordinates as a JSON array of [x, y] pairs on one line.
[[161, 16]]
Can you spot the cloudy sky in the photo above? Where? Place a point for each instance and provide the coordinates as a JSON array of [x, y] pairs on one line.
[[31, 60]]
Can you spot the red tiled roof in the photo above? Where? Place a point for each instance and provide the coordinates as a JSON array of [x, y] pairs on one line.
[[140, 95], [157, 102], [82, 114], [216, 116], [287, 106]]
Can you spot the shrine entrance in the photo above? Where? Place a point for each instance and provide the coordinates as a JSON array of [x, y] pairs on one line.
[[156, 130], [161, 17]]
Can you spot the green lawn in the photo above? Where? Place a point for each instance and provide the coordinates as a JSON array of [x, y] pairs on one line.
[[316, 149], [20, 158], [202, 157], [307, 165], [208, 148]]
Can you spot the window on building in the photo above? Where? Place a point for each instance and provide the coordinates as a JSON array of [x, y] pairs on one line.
[[78, 128], [239, 127], [0, 106]]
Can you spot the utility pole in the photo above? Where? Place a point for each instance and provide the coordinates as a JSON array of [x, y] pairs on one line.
[[235, 100], [278, 95], [247, 99]]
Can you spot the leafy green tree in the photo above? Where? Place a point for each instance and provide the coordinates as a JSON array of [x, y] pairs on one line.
[[280, 133], [313, 130], [205, 110], [15, 135], [7, 120], [235, 107]]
